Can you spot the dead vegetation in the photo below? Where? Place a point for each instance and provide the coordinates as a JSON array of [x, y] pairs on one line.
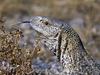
[[13, 59]]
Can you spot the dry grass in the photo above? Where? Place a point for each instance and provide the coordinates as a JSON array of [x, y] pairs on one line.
[[18, 59]]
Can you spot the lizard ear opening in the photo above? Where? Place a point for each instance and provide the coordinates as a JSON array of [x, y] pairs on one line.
[[56, 35]]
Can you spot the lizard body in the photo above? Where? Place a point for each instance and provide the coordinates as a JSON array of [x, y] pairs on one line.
[[69, 49]]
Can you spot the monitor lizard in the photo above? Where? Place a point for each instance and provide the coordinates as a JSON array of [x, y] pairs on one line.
[[62, 39]]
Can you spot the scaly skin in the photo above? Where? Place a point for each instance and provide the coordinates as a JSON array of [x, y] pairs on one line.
[[60, 37]]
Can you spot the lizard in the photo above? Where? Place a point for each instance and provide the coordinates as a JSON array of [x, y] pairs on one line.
[[64, 41]]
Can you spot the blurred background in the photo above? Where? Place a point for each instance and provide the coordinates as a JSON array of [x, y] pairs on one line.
[[82, 15]]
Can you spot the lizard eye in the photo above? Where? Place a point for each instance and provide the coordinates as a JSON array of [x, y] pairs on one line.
[[44, 22]]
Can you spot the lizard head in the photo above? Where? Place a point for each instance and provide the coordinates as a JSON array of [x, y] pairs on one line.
[[45, 26]]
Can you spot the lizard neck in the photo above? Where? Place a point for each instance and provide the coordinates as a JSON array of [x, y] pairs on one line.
[[74, 57]]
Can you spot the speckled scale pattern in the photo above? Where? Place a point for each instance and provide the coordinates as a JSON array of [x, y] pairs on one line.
[[74, 57], [69, 48]]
